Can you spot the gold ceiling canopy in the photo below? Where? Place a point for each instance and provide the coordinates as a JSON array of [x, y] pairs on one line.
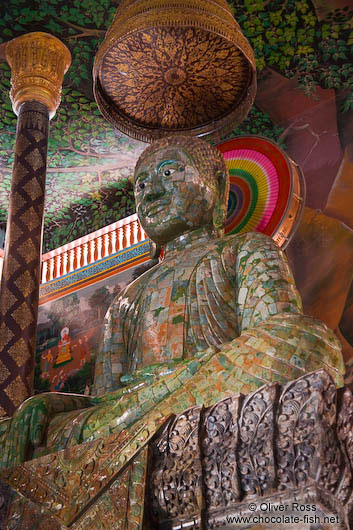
[[171, 66]]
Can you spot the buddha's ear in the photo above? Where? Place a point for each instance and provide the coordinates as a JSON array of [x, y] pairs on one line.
[[220, 211], [221, 177], [154, 250]]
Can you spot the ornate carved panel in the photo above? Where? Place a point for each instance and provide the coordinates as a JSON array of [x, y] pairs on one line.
[[278, 446]]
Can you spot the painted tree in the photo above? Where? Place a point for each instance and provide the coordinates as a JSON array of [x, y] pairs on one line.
[[99, 301], [65, 312], [86, 154]]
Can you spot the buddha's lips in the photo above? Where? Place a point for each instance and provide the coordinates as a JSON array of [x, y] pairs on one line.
[[156, 207]]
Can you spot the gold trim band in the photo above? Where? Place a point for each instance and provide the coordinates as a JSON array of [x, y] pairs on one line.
[[38, 63]]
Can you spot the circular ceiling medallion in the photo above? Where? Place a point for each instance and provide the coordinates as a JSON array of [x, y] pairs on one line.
[[267, 189], [177, 78], [181, 69], [174, 76]]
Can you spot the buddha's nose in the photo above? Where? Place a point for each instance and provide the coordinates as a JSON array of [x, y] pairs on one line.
[[156, 189]]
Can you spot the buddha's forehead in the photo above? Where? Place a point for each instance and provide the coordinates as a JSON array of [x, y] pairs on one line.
[[163, 154], [198, 158]]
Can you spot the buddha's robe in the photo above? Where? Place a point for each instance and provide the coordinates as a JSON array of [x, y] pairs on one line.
[[222, 315]]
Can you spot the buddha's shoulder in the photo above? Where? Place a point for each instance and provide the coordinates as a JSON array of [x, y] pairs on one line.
[[247, 242], [131, 292]]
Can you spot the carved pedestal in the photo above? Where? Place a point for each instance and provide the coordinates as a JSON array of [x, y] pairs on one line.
[[5, 496], [280, 457]]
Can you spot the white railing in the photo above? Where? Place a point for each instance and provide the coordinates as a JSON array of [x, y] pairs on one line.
[[86, 250], [91, 248]]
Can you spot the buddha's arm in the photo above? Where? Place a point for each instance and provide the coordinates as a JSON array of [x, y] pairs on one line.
[[27, 428], [28, 425], [111, 359], [270, 314], [264, 282]]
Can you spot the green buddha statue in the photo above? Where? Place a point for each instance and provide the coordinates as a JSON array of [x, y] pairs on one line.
[[218, 315]]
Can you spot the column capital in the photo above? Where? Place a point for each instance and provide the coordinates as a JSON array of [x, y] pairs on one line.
[[38, 63]]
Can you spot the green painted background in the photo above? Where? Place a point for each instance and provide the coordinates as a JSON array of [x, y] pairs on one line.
[[89, 162]]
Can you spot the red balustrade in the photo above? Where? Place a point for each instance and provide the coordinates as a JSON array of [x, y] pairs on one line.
[[90, 248]]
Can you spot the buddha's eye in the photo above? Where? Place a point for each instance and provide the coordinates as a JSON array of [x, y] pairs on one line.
[[142, 185], [168, 172]]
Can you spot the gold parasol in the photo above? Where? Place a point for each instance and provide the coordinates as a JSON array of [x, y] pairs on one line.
[[174, 66]]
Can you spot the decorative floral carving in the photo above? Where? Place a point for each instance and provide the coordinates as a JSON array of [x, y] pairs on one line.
[[219, 435], [295, 420], [176, 482], [331, 458], [255, 452], [277, 444], [307, 445], [345, 437]]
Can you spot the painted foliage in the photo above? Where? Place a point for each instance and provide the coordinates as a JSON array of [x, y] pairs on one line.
[[310, 43]]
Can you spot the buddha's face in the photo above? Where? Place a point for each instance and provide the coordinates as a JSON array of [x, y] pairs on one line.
[[171, 196]]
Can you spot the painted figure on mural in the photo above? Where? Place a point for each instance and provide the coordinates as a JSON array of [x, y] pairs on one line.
[[48, 358], [218, 315], [64, 347]]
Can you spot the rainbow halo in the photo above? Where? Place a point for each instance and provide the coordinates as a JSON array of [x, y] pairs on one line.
[[266, 188]]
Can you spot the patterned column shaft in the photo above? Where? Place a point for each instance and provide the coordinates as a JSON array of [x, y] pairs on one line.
[[21, 273], [38, 62]]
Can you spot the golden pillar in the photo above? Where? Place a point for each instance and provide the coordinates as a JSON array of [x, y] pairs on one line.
[[38, 63]]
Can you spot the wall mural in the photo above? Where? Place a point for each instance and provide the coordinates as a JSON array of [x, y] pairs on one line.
[[69, 331], [304, 53]]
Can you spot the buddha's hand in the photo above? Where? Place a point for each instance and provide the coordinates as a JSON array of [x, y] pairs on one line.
[[135, 381], [29, 423]]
